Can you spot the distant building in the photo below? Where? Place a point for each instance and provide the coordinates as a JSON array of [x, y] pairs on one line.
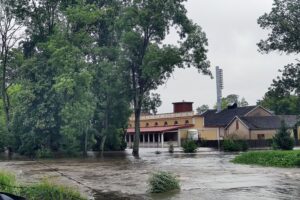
[[250, 122]]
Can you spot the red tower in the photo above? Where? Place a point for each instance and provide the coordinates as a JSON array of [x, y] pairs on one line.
[[182, 107]]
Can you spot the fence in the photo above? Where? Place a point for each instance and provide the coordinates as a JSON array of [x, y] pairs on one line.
[[251, 143]]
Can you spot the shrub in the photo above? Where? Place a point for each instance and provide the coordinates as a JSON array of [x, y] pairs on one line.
[[282, 139], [44, 153], [160, 182], [189, 146], [171, 148], [234, 143]]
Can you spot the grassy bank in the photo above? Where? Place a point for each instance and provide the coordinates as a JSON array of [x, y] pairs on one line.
[[44, 190], [270, 158]]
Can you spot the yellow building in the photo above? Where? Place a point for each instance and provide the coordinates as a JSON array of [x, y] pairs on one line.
[[250, 122]]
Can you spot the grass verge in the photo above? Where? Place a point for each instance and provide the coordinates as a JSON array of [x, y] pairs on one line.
[[270, 158], [44, 190]]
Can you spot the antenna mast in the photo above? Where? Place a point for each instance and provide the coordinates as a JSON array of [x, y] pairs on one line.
[[219, 79]]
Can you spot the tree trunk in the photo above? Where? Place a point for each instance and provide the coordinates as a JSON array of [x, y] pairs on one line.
[[136, 143], [103, 143]]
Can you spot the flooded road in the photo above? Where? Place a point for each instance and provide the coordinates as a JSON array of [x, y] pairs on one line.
[[208, 174]]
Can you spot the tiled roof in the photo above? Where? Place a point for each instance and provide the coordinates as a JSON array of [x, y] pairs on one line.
[[223, 118], [159, 129], [268, 122]]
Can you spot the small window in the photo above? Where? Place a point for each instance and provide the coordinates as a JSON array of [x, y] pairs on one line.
[[176, 122], [166, 124], [260, 136], [129, 125], [147, 124], [187, 122], [237, 125], [156, 124]]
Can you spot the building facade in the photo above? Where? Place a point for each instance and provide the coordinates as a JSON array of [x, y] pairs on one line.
[[250, 122]]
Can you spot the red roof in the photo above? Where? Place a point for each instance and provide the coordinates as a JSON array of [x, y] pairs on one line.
[[158, 129]]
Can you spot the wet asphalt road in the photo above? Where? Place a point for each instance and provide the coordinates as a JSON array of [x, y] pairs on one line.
[[208, 174]]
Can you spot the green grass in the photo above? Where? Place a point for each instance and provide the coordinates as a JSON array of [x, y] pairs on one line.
[[270, 158], [44, 190], [160, 182]]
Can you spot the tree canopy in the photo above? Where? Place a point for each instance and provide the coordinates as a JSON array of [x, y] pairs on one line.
[[82, 65]]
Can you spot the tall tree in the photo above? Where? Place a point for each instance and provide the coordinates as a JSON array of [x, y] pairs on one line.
[[10, 35], [231, 99], [202, 109], [284, 94], [150, 63], [283, 20]]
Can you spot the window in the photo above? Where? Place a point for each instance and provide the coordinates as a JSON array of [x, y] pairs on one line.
[[129, 125], [187, 122], [237, 125], [156, 124], [166, 124], [261, 136], [176, 122], [147, 124]]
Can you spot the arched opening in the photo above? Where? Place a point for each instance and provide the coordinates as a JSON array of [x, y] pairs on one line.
[[156, 124], [187, 122], [166, 124], [176, 122]]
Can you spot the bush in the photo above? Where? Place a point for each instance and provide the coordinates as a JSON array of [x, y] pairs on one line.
[[189, 146], [234, 143], [44, 153], [270, 158], [282, 139], [160, 182]]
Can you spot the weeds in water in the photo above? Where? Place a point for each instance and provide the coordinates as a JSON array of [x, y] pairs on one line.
[[160, 182], [40, 191]]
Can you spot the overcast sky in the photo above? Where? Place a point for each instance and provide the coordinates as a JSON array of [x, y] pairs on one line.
[[232, 31]]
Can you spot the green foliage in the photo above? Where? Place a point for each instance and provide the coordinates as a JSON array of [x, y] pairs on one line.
[[270, 158], [151, 103], [231, 99], [6, 180], [189, 146], [40, 191], [49, 191], [234, 143], [282, 139], [161, 181], [44, 153], [202, 109], [281, 20]]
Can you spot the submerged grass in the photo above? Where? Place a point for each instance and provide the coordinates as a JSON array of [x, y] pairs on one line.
[[270, 158], [44, 190]]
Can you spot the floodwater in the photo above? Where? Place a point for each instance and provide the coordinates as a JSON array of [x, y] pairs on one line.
[[207, 174]]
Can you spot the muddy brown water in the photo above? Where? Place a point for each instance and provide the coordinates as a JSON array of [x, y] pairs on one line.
[[208, 174]]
